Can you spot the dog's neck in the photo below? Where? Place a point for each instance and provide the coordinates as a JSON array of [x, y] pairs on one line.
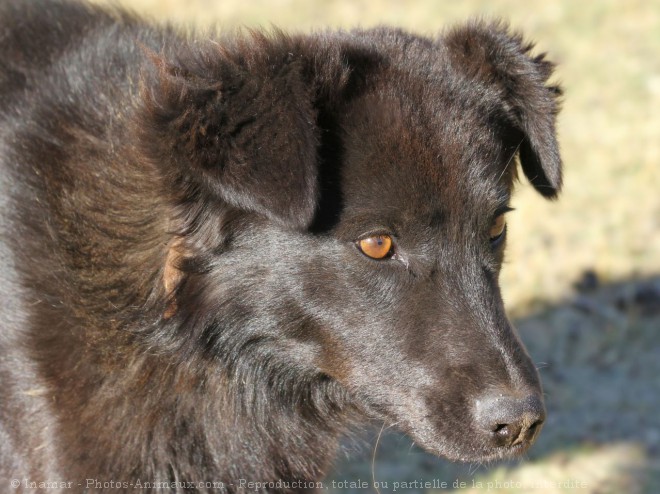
[[159, 421]]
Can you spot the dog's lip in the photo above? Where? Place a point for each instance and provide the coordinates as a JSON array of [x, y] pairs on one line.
[[470, 455], [437, 444]]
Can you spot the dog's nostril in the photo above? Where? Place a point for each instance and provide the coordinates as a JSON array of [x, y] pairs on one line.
[[509, 434], [501, 429], [531, 432]]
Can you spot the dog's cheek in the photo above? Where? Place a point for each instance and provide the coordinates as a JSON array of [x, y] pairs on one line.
[[352, 303]]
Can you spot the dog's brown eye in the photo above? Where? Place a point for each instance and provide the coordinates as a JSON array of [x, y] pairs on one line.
[[376, 247], [497, 228]]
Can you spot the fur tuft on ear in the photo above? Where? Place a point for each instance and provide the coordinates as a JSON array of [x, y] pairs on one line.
[[242, 128], [491, 55]]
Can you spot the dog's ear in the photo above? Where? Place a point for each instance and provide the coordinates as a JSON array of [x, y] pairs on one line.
[[502, 64], [238, 125]]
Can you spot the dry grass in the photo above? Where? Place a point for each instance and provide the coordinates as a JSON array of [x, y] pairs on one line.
[[607, 430]]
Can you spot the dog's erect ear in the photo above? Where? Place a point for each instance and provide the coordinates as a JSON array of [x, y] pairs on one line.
[[242, 127], [501, 61]]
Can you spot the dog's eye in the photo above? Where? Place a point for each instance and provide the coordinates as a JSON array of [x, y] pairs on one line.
[[497, 228], [376, 247]]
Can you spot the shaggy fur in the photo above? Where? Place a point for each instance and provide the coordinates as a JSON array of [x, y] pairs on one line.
[[182, 295]]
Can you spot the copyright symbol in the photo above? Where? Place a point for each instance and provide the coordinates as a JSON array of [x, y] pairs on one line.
[[15, 483]]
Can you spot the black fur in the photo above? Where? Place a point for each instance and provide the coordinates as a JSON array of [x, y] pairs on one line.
[[183, 298]]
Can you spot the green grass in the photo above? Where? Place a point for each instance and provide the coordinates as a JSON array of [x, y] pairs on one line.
[[602, 376]]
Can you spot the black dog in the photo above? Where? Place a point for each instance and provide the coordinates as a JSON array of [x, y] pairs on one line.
[[218, 253]]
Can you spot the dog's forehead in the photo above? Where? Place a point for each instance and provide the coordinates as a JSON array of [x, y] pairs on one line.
[[422, 151]]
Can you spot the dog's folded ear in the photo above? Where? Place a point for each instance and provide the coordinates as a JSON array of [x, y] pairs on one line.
[[243, 129], [492, 56]]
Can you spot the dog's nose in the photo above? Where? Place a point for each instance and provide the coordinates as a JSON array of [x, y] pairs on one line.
[[509, 420]]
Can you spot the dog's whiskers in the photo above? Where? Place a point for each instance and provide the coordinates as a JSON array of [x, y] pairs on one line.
[[373, 458], [506, 167]]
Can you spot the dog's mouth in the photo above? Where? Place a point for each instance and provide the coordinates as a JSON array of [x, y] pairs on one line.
[[470, 446], [474, 446], [504, 427]]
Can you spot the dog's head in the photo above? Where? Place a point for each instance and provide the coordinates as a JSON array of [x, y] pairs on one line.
[[341, 208]]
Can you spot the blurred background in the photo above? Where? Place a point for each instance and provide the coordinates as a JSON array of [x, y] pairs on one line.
[[582, 278]]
